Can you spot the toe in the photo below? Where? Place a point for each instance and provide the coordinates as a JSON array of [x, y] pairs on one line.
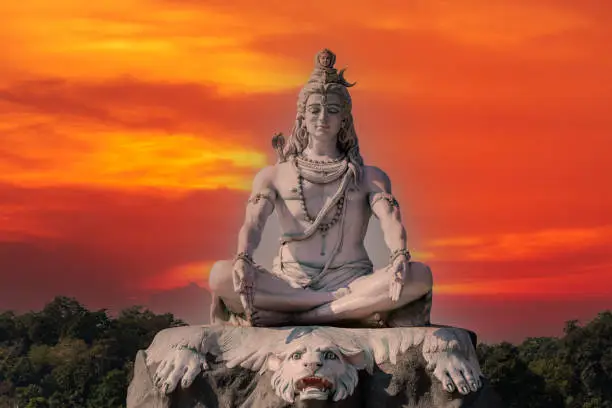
[[174, 379], [470, 380], [162, 374], [189, 376], [459, 381], [448, 383]]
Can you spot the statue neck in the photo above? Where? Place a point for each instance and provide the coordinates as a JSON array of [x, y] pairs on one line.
[[322, 149]]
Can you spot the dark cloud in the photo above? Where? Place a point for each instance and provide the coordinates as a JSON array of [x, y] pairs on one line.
[[108, 242], [127, 103]]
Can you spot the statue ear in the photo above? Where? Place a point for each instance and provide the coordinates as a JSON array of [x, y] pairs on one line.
[[273, 362]]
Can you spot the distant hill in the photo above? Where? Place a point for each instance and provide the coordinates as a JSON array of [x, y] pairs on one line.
[[190, 303]]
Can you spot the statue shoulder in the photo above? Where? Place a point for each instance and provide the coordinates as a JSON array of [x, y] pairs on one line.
[[264, 179], [376, 179]]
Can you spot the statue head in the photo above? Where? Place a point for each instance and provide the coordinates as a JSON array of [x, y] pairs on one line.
[[315, 367], [325, 59], [326, 87]]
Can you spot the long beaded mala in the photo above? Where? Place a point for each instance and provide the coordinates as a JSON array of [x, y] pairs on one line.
[[328, 173]]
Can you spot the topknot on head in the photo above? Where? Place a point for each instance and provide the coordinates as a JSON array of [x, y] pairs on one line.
[[325, 73]]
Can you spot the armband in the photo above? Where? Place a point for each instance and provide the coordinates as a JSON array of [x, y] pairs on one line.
[[389, 198], [256, 198], [245, 257]]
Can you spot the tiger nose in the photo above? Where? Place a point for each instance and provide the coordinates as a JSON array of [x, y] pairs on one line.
[[313, 365]]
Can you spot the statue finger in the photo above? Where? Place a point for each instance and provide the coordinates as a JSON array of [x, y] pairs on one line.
[[397, 287], [398, 291], [391, 289]]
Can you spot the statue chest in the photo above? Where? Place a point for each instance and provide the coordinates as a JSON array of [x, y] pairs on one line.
[[315, 196]]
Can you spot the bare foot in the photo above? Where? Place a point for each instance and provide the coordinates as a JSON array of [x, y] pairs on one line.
[[268, 318]]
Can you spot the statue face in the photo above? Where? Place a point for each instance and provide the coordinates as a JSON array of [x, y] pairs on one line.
[[314, 370], [325, 59], [323, 116]]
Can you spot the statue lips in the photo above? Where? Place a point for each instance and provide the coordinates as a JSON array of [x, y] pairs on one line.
[[318, 383]]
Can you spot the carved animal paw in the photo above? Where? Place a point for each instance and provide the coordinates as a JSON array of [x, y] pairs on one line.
[[182, 365], [456, 372]]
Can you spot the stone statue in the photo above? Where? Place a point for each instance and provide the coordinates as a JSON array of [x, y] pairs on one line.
[[312, 362], [268, 345], [324, 196]]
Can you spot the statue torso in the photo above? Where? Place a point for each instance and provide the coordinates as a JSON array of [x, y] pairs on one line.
[[292, 219]]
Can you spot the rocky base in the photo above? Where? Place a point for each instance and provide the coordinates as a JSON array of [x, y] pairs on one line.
[[405, 371]]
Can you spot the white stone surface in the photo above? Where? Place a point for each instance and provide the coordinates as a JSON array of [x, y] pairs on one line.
[[311, 362]]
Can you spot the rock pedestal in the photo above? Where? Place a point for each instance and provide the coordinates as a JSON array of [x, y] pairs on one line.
[[223, 366]]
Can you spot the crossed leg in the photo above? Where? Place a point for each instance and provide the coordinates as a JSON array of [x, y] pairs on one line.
[[277, 303], [370, 294], [272, 294]]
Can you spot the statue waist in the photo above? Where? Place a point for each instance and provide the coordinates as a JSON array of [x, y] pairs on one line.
[[304, 275]]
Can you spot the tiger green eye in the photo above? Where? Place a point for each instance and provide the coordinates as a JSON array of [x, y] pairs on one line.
[[330, 355]]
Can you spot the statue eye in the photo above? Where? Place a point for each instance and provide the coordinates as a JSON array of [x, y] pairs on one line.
[[296, 356], [330, 355]]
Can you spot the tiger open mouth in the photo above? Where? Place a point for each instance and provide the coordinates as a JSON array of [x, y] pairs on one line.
[[313, 382]]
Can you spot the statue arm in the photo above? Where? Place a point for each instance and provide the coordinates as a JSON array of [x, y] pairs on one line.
[[259, 207], [386, 208]]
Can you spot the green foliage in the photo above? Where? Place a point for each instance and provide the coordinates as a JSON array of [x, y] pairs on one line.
[[574, 371], [68, 356]]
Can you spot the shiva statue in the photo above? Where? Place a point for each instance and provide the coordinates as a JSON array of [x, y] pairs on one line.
[[323, 195]]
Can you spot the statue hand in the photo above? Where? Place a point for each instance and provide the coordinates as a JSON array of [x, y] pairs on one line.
[[399, 270], [182, 364], [244, 283]]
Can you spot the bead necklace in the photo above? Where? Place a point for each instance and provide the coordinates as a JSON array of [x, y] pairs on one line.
[[323, 227], [321, 172]]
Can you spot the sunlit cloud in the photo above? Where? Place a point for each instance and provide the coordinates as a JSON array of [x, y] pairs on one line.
[[589, 281], [87, 155], [520, 246], [131, 131], [165, 43], [490, 24]]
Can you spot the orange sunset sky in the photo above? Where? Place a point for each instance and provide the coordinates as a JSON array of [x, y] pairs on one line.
[[130, 131]]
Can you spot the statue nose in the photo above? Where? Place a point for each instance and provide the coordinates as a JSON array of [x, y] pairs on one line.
[[313, 365], [323, 116]]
